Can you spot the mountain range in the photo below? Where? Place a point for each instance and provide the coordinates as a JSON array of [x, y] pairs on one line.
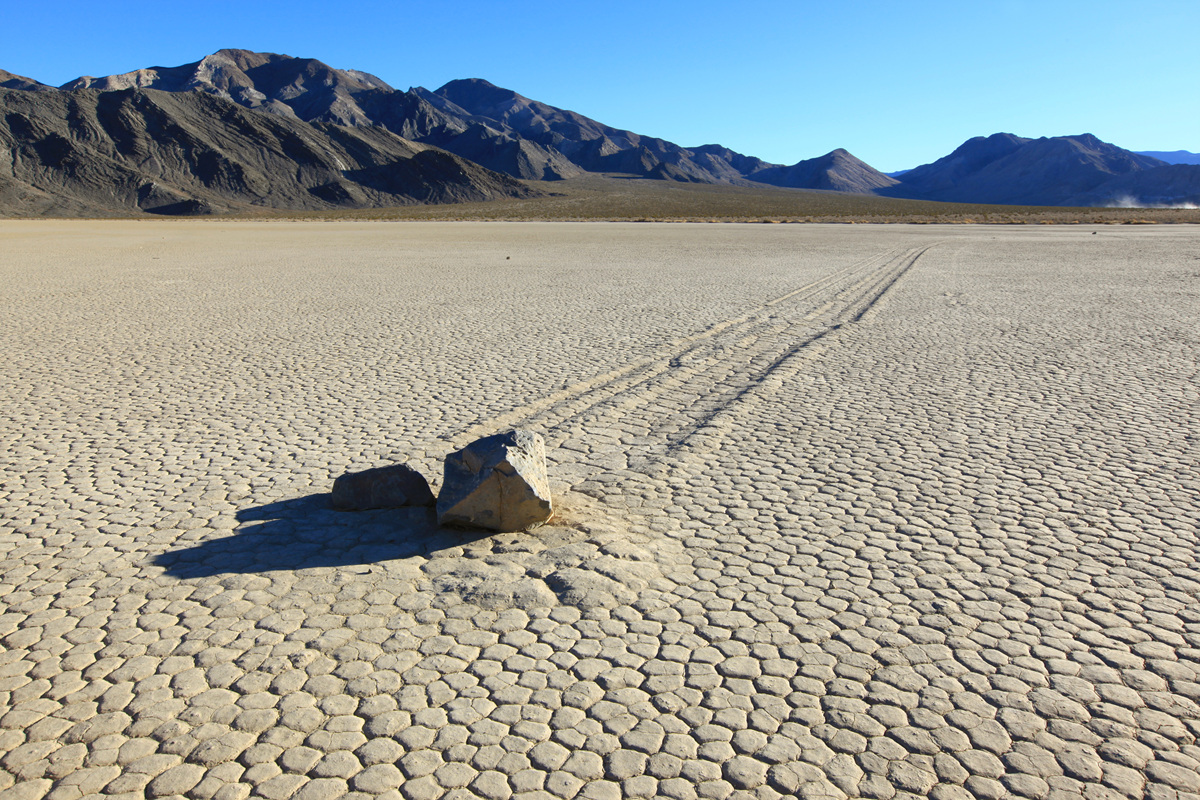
[[239, 130], [1172, 156]]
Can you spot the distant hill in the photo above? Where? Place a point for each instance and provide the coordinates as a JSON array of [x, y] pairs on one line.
[[1012, 170], [132, 149], [837, 171], [1172, 156]]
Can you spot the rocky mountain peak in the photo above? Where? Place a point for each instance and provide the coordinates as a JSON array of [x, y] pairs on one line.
[[475, 94]]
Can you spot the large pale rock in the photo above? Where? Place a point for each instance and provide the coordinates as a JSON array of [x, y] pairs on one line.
[[497, 483], [383, 487]]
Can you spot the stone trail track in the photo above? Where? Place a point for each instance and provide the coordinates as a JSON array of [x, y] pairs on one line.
[[923, 522], [664, 399]]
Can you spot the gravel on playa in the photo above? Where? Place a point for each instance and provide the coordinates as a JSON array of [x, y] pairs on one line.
[[846, 511]]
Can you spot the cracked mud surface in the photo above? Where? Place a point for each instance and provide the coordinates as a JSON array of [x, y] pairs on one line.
[[843, 512]]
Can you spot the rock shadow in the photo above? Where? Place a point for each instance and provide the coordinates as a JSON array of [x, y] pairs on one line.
[[305, 533]]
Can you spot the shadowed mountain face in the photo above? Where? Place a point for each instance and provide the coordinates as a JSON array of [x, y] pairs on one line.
[[1008, 169], [132, 149], [947, 173]]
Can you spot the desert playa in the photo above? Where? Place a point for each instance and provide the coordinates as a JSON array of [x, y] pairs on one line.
[[843, 511]]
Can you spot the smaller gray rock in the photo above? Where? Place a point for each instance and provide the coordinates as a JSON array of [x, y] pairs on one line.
[[497, 483], [383, 487]]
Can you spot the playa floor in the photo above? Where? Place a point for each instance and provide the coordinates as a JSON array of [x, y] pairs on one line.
[[844, 511]]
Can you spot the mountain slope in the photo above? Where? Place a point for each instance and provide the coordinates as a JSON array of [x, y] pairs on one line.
[[1008, 169], [134, 149], [10, 81], [726, 162], [495, 127], [591, 145], [596, 147], [313, 91], [948, 172], [298, 87], [837, 171], [1170, 185]]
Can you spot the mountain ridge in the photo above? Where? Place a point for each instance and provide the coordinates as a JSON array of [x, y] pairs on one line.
[[500, 130], [136, 149], [493, 126], [9, 80], [1172, 156], [313, 91], [1007, 169]]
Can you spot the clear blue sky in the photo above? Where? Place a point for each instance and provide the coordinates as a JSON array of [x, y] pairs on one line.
[[896, 83]]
